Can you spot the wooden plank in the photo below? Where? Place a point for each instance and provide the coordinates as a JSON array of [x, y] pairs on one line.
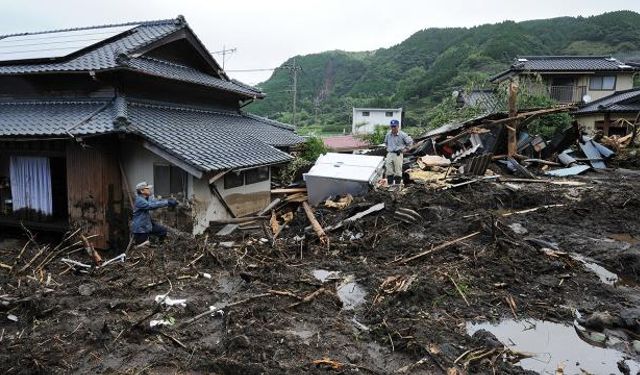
[[314, 223], [289, 191]]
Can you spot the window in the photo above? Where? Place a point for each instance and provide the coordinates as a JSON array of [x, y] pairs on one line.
[[169, 180], [365, 113], [253, 176], [602, 83], [388, 114], [233, 179]]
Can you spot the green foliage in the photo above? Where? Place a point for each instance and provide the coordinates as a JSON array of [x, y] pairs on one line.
[[293, 171], [422, 71], [377, 137], [447, 112], [312, 148]]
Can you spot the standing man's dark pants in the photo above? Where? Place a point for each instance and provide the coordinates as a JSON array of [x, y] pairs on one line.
[[156, 230]]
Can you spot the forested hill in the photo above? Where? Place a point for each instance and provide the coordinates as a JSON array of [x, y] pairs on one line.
[[422, 70]]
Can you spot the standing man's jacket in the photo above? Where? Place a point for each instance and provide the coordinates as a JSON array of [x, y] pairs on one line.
[[141, 222], [397, 143]]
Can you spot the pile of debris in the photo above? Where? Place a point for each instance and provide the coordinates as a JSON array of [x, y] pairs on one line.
[[499, 144]]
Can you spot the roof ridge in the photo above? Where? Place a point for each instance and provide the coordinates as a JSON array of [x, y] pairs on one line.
[[164, 105], [177, 20], [56, 102]]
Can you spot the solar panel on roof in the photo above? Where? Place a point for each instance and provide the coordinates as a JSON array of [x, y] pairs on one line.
[[55, 44]]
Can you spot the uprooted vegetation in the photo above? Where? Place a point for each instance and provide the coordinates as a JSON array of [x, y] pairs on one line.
[[383, 296]]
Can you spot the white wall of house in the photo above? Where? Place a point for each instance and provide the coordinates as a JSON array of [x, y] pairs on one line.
[[138, 163], [248, 198], [623, 81], [589, 122], [365, 120]]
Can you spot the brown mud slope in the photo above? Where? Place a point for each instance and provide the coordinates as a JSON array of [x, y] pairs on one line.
[[379, 312]]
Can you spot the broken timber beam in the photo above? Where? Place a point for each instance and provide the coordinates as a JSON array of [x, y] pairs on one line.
[[512, 139], [314, 223], [439, 247], [289, 191], [237, 220]]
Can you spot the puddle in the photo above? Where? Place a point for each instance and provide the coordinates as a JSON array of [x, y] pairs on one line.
[[553, 344], [324, 275], [351, 294]]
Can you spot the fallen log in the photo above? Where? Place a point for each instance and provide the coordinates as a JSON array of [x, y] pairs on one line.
[[358, 216], [437, 248], [314, 223]]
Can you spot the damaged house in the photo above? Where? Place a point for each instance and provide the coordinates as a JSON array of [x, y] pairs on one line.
[[616, 114], [87, 113]]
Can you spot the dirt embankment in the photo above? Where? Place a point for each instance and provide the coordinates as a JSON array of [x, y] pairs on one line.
[[359, 305]]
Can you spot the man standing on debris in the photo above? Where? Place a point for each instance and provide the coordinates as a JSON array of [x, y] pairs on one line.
[[396, 141], [142, 226]]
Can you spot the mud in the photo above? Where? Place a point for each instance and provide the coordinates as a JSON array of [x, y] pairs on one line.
[[369, 312]]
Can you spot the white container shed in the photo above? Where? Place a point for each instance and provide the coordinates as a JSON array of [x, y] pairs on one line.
[[336, 174]]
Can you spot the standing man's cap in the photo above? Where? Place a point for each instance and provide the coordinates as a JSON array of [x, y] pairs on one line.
[[143, 185], [394, 123]]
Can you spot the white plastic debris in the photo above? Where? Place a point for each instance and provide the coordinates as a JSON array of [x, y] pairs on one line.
[[164, 322], [264, 240], [206, 275], [12, 317], [216, 311], [164, 299]]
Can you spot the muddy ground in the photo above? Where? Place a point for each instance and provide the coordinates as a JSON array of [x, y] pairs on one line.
[[277, 312]]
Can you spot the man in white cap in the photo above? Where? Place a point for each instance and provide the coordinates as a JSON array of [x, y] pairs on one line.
[[142, 226], [396, 141]]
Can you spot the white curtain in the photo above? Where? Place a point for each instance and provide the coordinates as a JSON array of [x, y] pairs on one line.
[[31, 183]]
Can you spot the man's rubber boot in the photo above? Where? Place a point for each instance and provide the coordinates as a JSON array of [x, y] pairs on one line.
[[389, 180], [398, 180]]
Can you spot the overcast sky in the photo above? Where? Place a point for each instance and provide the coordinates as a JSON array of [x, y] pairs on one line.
[[265, 33]]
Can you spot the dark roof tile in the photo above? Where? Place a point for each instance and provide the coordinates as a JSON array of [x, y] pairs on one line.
[[620, 101]]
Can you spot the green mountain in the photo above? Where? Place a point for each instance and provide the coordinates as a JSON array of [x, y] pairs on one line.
[[425, 68]]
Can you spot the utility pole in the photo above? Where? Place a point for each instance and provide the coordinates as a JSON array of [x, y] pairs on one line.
[[512, 127], [295, 89]]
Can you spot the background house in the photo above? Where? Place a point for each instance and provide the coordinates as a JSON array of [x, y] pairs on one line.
[[365, 120], [568, 79], [87, 113], [613, 115]]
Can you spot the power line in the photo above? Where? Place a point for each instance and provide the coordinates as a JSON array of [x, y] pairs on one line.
[[224, 51]]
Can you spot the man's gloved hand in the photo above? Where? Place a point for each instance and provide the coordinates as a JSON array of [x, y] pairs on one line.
[[172, 202], [398, 152]]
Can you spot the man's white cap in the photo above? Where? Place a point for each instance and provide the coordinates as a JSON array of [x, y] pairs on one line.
[[142, 185]]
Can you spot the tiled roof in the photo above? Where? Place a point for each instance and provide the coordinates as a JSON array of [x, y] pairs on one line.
[[51, 118], [564, 64], [620, 101], [211, 140], [103, 56], [344, 142], [183, 73], [115, 54], [206, 139]]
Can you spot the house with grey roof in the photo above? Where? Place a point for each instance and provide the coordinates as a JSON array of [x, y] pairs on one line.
[[615, 114], [570, 79], [86, 113]]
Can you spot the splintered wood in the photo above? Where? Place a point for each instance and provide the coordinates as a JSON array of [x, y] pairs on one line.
[[324, 239]]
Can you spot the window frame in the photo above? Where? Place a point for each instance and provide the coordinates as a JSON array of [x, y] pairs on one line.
[[227, 183], [260, 178], [172, 168], [388, 114], [601, 86]]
